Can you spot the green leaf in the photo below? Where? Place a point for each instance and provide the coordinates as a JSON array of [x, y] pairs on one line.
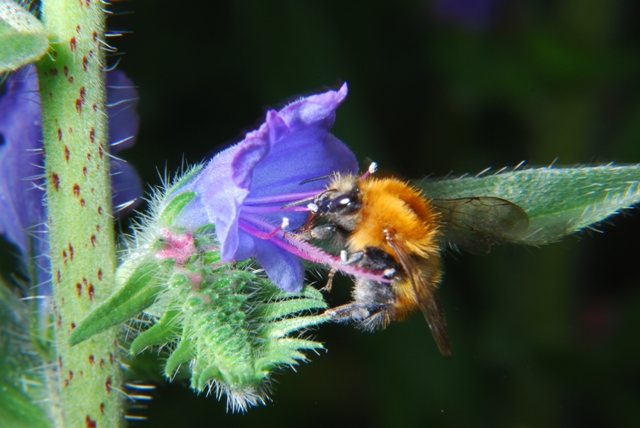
[[276, 310], [558, 201], [286, 351], [23, 38], [138, 293], [18, 411], [284, 327], [175, 206], [183, 353], [165, 330]]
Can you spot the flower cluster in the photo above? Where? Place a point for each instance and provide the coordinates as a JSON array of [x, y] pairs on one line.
[[185, 267]]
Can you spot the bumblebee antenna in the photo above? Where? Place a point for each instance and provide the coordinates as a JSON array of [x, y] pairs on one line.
[[310, 198], [322, 177], [373, 167]]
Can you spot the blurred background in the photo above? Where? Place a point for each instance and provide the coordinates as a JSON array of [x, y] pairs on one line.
[[542, 337]]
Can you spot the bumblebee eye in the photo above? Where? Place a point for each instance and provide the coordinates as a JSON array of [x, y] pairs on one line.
[[345, 201]]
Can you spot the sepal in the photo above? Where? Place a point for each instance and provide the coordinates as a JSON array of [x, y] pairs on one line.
[[137, 294]]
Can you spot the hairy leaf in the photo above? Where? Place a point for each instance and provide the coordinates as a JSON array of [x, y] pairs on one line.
[[557, 201]]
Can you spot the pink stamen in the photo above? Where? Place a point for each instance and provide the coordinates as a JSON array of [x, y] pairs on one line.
[[271, 209], [280, 198], [372, 168], [259, 233]]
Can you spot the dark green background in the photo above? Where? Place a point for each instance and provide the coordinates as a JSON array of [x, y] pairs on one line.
[[541, 337]]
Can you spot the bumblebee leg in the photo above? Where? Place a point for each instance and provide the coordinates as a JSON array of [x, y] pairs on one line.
[[323, 232], [349, 259], [370, 316], [330, 276], [350, 312]]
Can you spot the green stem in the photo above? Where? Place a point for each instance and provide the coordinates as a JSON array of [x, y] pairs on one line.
[[74, 117]]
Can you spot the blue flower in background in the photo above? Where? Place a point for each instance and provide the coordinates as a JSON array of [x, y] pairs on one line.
[[122, 100], [22, 213], [474, 14], [242, 189], [20, 158]]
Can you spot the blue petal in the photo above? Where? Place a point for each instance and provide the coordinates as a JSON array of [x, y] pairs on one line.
[[124, 122], [282, 267], [126, 185], [122, 102], [246, 246], [219, 199], [253, 150], [21, 135], [308, 150]]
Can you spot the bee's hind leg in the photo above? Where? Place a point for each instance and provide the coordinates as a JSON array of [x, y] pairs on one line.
[[372, 306], [370, 316]]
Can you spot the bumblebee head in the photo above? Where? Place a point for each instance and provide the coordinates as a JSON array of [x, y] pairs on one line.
[[342, 197]]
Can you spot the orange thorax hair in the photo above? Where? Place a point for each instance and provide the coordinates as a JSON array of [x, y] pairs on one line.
[[389, 203]]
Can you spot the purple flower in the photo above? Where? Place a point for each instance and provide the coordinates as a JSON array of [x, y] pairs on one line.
[[242, 189], [22, 214]]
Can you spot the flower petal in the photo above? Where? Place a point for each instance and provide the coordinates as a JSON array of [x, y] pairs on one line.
[[21, 136], [308, 150], [122, 102], [250, 153], [246, 246], [319, 110], [282, 267], [126, 185], [218, 201]]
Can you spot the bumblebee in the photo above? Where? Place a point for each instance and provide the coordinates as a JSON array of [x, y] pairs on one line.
[[388, 225]]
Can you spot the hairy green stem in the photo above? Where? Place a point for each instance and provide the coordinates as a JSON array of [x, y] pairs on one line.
[[72, 87]]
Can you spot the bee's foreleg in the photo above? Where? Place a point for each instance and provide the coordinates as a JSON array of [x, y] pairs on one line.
[[323, 232]]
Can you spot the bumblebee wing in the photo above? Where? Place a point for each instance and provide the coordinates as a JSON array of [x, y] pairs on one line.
[[428, 300], [476, 224]]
